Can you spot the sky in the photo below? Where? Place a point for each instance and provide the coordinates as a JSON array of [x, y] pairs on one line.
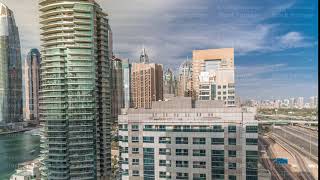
[[275, 42]]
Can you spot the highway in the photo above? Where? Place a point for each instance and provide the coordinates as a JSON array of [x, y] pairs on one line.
[[307, 130], [303, 165], [300, 140], [306, 136]]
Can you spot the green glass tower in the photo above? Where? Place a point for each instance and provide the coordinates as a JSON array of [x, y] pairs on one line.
[[10, 68], [75, 90]]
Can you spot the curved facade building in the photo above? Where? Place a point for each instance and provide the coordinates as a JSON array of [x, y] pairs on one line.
[[75, 90], [31, 85], [10, 68]]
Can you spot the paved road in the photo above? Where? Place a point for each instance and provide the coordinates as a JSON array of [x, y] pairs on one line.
[[302, 134], [299, 140]]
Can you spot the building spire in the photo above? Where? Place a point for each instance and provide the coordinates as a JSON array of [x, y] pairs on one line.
[[144, 57]]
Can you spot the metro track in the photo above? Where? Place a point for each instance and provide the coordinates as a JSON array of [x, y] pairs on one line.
[[270, 165], [305, 174]]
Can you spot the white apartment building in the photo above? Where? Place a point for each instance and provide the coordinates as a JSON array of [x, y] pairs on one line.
[[192, 140]]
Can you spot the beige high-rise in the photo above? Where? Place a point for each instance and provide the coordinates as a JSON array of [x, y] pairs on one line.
[[146, 84], [213, 75]]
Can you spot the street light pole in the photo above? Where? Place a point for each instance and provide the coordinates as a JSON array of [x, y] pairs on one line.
[[310, 143]]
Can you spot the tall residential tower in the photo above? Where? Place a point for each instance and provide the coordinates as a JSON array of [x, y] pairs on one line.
[[146, 82], [117, 88], [75, 90], [10, 68], [31, 85]]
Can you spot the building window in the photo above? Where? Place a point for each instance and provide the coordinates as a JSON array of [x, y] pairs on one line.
[[164, 151], [148, 139], [181, 152], [125, 150], [232, 141], [135, 173], [135, 161], [166, 175], [232, 153], [134, 127], [219, 87], [162, 174], [182, 175], [217, 141], [181, 140], [162, 163], [232, 129], [252, 165], [162, 128], [197, 176], [123, 127], [182, 164], [134, 139], [125, 172], [135, 150], [164, 140], [199, 152], [199, 140], [251, 129], [224, 86], [147, 127], [148, 163], [199, 164], [217, 162], [251, 141], [232, 177], [217, 128], [125, 161], [232, 165]]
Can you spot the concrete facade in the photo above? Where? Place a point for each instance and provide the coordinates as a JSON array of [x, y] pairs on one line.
[[213, 75], [146, 84], [183, 139]]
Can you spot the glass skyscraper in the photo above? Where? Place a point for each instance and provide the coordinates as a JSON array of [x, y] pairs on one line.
[[10, 68], [75, 90], [126, 69], [31, 85]]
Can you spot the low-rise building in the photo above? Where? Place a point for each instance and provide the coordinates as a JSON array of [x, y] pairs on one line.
[[27, 171]]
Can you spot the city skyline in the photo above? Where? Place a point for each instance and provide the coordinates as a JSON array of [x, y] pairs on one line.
[[170, 89], [275, 43]]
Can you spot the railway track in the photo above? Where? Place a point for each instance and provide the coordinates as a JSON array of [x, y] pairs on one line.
[[266, 162], [275, 170], [305, 174]]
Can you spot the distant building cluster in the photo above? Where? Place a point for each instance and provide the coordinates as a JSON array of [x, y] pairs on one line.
[[172, 125], [298, 103]]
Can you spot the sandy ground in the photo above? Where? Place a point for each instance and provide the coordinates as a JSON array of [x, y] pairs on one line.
[[279, 152]]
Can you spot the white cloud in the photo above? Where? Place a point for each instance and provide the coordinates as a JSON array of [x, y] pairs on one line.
[[171, 29], [291, 37]]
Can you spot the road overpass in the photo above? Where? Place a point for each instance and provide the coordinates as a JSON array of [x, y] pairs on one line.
[[286, 121]]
